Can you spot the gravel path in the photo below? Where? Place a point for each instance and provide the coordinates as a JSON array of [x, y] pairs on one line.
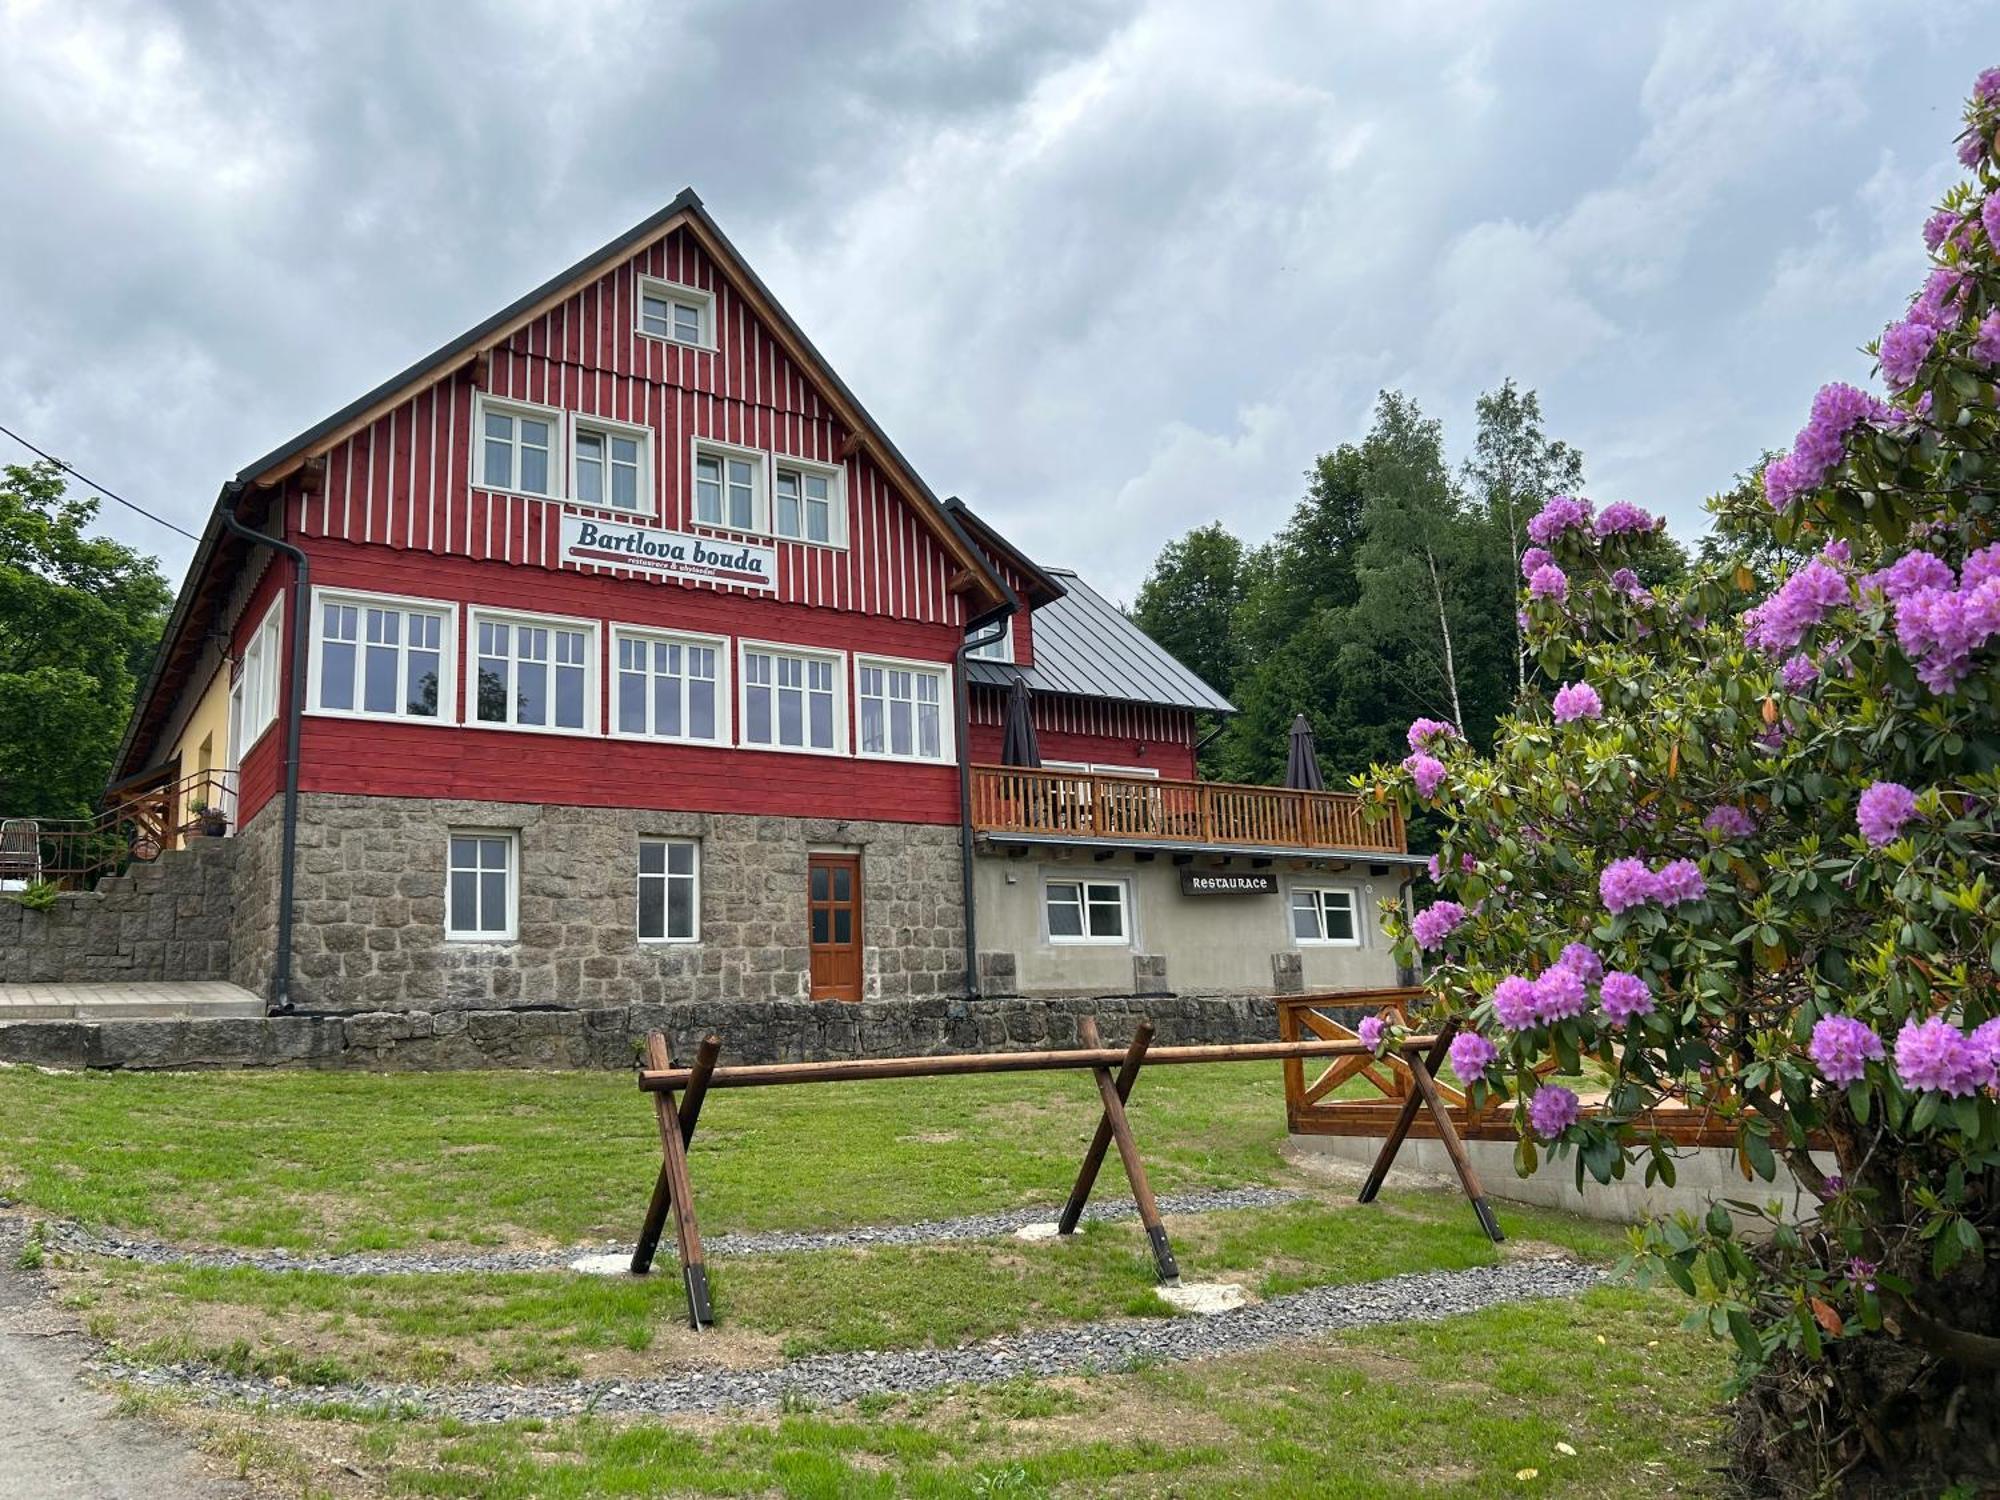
[[834, 1378], [58, 1438], [74, 1238]]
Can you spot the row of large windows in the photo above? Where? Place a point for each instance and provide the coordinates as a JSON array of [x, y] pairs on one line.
[[526, 449], [380, 657]]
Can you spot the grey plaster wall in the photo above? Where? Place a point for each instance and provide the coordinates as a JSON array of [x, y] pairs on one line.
[[165, 920], [1200, 945], [371, 908]]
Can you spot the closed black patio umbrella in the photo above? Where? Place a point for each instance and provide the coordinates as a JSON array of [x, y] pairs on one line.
[[1017, 741], [1302, 760]]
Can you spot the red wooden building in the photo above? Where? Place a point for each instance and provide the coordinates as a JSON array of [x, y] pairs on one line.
[[612, 652]]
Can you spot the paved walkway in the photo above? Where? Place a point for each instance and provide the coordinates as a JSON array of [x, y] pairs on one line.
[[58, 1438], [160, 1000]]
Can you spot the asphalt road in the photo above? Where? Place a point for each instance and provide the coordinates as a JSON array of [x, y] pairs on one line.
[[58, 1438]]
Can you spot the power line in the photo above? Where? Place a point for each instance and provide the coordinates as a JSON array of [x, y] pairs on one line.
[[93, 484]]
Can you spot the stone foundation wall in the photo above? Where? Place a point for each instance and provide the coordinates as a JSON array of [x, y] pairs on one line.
[[609, 1037], [169, 919], [370, 908]]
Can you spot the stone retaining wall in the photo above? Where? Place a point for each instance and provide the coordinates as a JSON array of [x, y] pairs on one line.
[[169, 919], [609, 1037]]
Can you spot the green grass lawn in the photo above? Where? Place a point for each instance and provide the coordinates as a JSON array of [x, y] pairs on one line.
[[337, 1161]]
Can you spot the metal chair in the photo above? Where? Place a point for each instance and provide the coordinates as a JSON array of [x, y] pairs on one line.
[[20, 852]]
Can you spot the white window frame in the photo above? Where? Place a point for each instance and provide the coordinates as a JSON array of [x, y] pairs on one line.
[[1000, 650], [1320, 893], [1102, 768], [725, 704], [842, 742], [593, 669], [261, 671], [512, 838], [1083, 883], [675, 291], [507, 406], [835, 476], [667, 879], [760, 501], [947, 748], [447, 655], [581, 426]]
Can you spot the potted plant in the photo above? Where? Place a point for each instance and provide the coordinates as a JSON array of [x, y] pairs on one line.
[[209, 822]]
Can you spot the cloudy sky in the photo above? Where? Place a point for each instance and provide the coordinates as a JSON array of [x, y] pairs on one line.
[[1107, 268]]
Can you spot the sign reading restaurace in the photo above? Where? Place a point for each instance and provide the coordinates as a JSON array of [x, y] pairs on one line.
[[1214, 883], [673, 554]]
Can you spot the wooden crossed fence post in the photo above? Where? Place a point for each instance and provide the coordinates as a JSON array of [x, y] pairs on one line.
[[1425, 1095], [1113, 1126], [673, 1190]]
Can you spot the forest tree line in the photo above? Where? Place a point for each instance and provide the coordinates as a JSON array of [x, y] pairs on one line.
[[1389, 595]]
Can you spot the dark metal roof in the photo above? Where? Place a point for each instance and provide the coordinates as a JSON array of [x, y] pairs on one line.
[[1084, 646]]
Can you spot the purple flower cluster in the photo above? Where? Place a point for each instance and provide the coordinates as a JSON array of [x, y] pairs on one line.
[[1989, 218], [1436, 922], [1582, 960], [1534, 559], [1472, 1055], [1986, 343], [1619, 517], [1935, 1054], [1548, 582], [1941, 620], [1577, 700], [1370, 1031], [1730, 822], [1560, 995], [1625, 996], [1514, 1002], [1426, 734], [1883, 810], [1937, 226], [1798, 673], [1986, 87], [1628, 882], [1842, 1047], [1801, 602], [1465, 862], [1627, 583], [1904, 348], [1427, 771], [1817, 450], [1552, 1111], [1560, 514]]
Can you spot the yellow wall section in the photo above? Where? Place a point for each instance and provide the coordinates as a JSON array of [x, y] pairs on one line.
[[209, 722]]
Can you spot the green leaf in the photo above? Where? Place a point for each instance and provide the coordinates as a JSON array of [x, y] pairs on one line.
[[1719, 1223], [1757, 1146]]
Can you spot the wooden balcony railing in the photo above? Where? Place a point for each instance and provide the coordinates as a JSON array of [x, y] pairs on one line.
[[1077, 804]]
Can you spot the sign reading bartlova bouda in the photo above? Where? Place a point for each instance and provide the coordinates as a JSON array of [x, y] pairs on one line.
[[674, 554], [1215, 883]]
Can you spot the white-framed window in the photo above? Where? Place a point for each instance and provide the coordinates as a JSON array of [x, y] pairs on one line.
[[680, 314], [902, 709], [669, 891], [809, 502], [1086, 911], [729, 486], [792, 698], [1102, 768], [482, 881], [995, 650], [532, 672], [256, 687], [670, 686], [378, 656], [610, 464], [1326, 914], [518, 447]]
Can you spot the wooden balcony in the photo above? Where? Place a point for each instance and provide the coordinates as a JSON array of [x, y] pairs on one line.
[[1198, 814]]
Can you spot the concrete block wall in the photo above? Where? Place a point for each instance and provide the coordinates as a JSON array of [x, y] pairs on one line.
[[169, 919]]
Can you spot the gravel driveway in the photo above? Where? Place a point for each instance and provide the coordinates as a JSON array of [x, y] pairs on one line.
[[58, 1438]]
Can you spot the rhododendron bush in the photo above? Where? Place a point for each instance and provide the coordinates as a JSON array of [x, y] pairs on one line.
[[1740, 855]]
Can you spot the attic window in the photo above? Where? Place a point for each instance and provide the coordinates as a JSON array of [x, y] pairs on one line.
[[679, 314]]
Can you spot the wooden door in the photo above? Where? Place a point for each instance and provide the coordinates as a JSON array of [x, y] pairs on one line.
[[833, 914]]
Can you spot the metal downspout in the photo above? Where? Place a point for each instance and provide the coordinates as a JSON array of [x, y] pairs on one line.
[[281, 965]]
